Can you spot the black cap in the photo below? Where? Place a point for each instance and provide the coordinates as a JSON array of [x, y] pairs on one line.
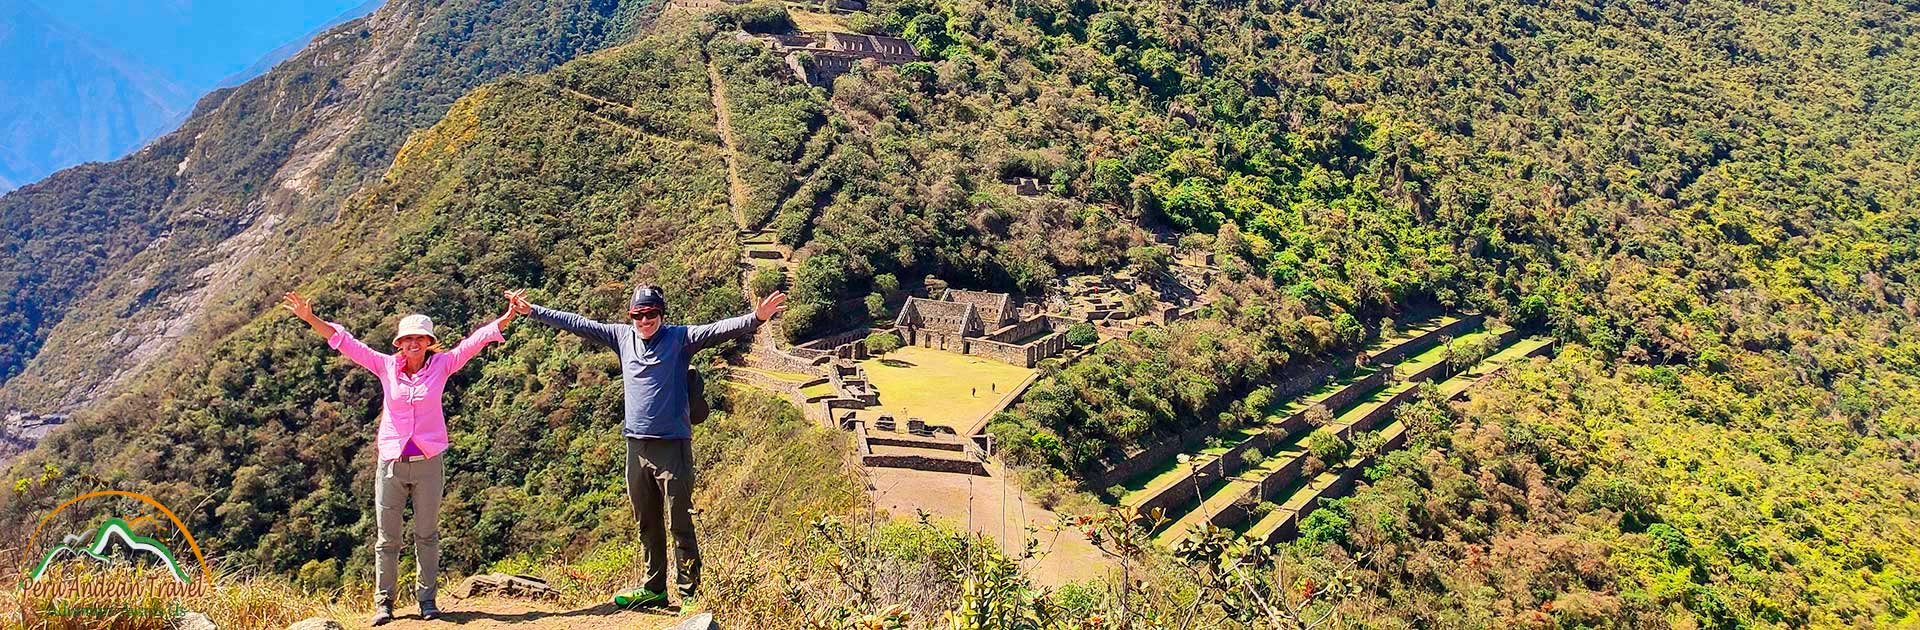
[[647, 296]]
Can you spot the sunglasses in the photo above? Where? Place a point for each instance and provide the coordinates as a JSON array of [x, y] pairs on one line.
[[646, 314]]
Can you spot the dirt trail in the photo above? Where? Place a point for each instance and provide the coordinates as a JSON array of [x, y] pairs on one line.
[[736, 191], [963, 500], [487, 613]]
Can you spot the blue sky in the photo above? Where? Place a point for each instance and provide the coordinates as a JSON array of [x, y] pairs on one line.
[[194, 43]]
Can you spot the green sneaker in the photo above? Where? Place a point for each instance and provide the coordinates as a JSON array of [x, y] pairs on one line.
[[639, 596]]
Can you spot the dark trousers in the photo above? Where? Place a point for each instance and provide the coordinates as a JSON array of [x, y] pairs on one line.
[[660, 486]]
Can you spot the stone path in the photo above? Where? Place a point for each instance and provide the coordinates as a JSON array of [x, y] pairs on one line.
[[736, 190]]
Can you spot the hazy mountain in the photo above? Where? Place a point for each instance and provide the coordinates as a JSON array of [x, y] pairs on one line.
[[68, 99], [277, 55]]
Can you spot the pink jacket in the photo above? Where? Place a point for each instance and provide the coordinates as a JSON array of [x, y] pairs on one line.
[[410, 404]]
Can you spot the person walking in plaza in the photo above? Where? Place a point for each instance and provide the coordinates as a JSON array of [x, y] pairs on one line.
[[654, 359], [411, 437]]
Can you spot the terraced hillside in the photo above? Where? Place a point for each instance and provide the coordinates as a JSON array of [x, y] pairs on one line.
[[1264, 478], [1436, 368], [1174, 484]]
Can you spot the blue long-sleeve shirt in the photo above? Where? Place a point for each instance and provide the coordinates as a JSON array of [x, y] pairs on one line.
[[653, 371]]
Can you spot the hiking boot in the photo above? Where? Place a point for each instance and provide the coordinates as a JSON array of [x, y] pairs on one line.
[[428, 611], [382, 613], [640, 596]]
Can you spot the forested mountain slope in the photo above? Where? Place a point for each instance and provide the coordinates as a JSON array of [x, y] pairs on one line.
[[109, 265], [1713, 202]]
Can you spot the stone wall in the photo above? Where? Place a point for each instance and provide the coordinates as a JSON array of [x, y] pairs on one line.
[[1120, 466], [1182, 492], [1019, 391], [816, 411], [1024, 355], [856, 351], [1129, 465], [933, 464], [1416, 345], [1489, 376], [932, 339], [771, 359], [1436, 372], [1297, 421], [829, 342], [1022, 330], [957, 447], [1343, 483], [1270, 486]]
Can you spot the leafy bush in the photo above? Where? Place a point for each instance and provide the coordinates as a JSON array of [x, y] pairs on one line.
[[759, 16], [1329, 524], [883, 342], [1082, 334], [766, 280], [1326, 444]]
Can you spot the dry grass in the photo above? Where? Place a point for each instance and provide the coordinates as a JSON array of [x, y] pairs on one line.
[[237, 602]]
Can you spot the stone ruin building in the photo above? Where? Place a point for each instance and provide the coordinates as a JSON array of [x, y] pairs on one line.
[[984, 324], [829, 54]]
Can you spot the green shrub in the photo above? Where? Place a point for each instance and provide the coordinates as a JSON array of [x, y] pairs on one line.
[[1327, 445], [1329, 524], [1082, 334], [763, 16], [1253, 458], [767, 280], [882, 343], [1079, 598]]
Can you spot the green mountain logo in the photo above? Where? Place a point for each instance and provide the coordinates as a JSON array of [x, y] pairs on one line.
[[97, 549]]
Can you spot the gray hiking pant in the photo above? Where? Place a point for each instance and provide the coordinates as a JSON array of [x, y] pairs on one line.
[[394, 482], [660, 487]]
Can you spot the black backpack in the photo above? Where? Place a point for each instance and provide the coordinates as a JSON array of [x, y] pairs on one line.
[[697, 409]]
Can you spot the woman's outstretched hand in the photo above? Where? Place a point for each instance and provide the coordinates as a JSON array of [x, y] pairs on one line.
[[303, 309]]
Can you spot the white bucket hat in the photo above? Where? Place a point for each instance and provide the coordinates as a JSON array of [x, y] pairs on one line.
[[415, 324]]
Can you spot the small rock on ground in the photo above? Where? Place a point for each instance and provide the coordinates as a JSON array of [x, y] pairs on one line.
[[194, 621], [702, 621], [316, 623]]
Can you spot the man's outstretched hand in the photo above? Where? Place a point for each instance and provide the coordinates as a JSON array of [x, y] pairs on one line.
[[770, 306]]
